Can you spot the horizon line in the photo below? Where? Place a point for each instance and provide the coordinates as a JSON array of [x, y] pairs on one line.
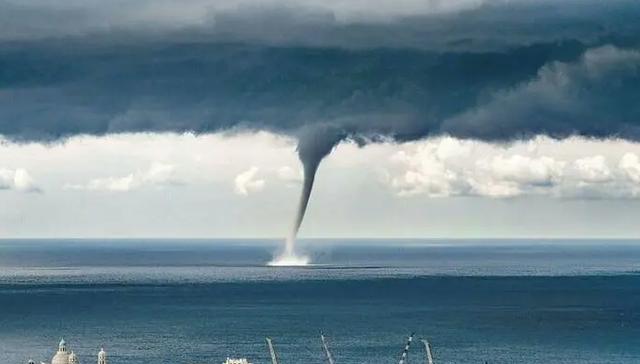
[[149, 238]]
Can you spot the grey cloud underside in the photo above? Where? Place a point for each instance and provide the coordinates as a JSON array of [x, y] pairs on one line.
[[53, 92]]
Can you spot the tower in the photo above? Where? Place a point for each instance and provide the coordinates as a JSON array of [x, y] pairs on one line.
[[62, 346], [62, 355], [102, 356]]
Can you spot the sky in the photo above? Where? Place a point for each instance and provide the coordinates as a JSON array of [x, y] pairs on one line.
[[247, 185], [460, 119]]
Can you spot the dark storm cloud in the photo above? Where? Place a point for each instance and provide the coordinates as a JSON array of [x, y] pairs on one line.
[[69, 69], [435, 25], [493, 26], [597, 96], [54, 91]]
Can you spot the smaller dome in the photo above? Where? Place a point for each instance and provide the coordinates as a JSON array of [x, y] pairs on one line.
[[60, 358], [73, 358]]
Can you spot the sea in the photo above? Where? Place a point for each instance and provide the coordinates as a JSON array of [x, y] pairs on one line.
[[201, 301]]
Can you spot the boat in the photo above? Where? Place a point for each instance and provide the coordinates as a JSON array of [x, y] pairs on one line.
[[236, 361]]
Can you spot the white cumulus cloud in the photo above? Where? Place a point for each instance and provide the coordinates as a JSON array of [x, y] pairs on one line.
[[17, 179], [246, 182], [513, 175], [435, 169], [158, 174], [593, 169], [523, 170], [630, 165], [444, 167]]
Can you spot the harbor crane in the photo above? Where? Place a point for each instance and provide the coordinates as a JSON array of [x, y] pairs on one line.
[[405, 353], [272, 351], [404, 358], [427, 348], [326, 349]]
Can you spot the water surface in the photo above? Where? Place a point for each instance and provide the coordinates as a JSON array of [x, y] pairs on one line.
[[174, 301]]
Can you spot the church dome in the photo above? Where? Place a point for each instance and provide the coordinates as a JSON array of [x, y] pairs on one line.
[[73, 358], [62, 356]]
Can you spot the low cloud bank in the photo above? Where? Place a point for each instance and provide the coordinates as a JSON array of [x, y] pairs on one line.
[[448, 167]]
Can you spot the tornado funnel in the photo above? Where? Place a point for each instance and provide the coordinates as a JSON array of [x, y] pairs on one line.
[[314, 144]]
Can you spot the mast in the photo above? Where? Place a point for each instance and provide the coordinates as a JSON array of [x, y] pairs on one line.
[[326, 349], [405, 352], [427, 348], [272, 351]]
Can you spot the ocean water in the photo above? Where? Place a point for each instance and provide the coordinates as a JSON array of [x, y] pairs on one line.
[[198, 301]]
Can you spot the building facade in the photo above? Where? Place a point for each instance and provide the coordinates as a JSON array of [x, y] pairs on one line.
[[64, 356]]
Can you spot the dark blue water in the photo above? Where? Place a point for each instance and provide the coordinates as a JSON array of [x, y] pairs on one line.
[[201, 301]]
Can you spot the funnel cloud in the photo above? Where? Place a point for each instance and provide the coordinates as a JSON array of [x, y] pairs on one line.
[[314, 143]]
